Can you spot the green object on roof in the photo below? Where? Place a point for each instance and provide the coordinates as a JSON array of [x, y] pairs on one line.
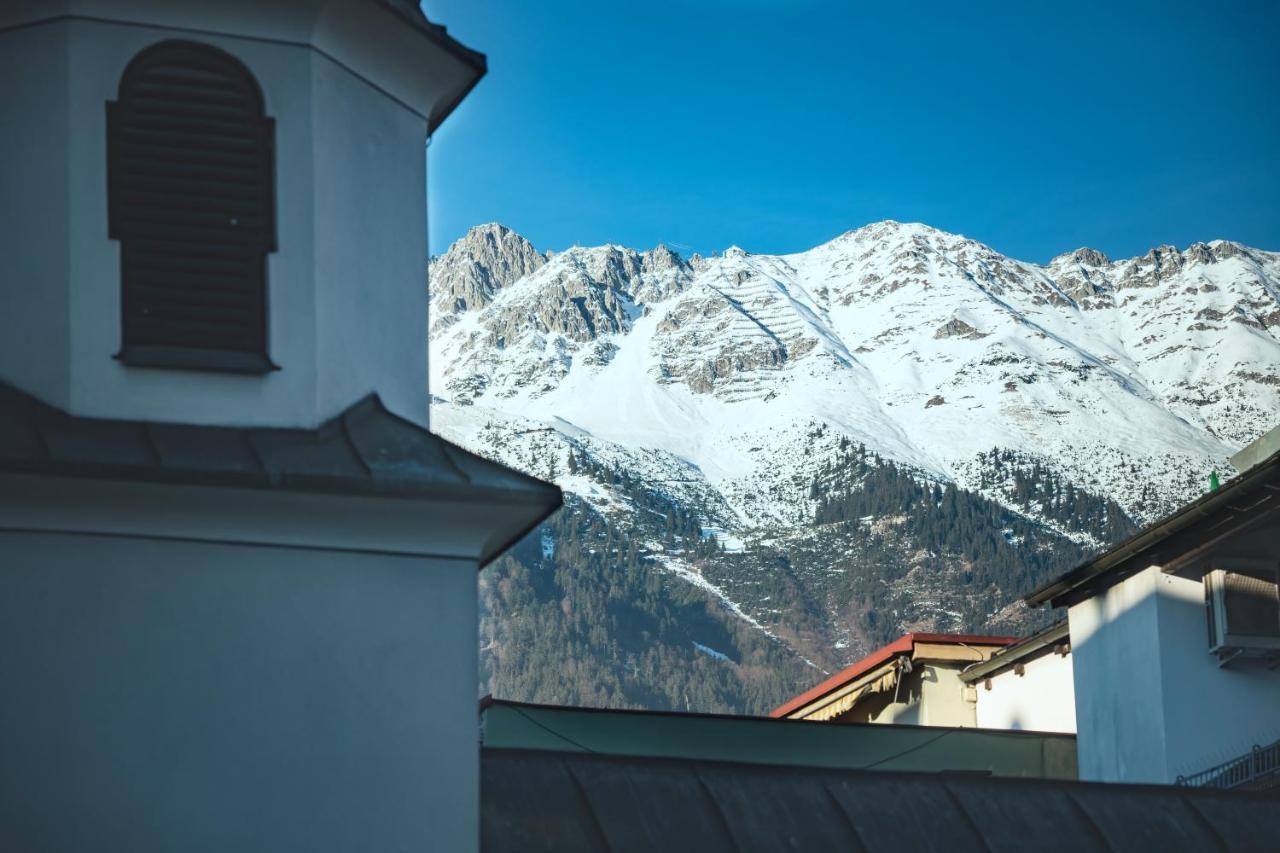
[[1213, 481], [762, 740]]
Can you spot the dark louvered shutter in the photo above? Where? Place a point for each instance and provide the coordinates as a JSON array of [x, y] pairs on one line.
[[191, 189]]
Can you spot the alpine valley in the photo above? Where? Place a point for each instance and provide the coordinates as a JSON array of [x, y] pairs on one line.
[[775, 463]]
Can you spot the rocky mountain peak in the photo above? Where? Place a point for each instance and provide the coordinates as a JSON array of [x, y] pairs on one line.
[[755, 327], [662, 258], [1085, 257], [792, 405], [488, 258]]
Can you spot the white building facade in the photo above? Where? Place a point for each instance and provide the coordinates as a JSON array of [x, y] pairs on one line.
[[1159, 696], [1028, 686], [239, 574]]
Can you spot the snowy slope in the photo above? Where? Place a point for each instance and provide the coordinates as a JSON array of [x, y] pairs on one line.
[[1133, 378]]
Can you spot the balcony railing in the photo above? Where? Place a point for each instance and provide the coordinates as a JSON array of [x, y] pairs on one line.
[[1257, 770]]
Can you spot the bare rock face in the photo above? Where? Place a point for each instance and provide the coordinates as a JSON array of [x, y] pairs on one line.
[[475, 268], [957, 328], [1084, 276], [746, 389], [663, 274], [885, 315]]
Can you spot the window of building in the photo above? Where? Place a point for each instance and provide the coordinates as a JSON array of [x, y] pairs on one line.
[[191, 199]]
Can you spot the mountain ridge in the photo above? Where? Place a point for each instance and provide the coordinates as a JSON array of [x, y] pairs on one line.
[[760, 395]]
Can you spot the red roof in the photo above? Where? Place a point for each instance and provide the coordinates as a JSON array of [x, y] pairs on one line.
[[903, 645]]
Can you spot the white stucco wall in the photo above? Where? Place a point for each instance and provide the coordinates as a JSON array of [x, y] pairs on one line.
[[346, 286], [1151, 702], [1212, 714], [1042, 699], [371, 246], [34, 212], [177, 695], [942, 696]]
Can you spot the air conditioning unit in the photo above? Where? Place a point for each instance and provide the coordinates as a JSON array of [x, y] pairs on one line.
[[1243, 612]]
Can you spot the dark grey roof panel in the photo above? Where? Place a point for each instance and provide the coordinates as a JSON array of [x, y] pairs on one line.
[[227, 451], [393, 451], [290, 456], [1171, 823], [1233, 820], [75, 440], [611, 794], [535, 800], [799, 810], [895, 813], [1043, 819], [475, 62], [365, 450], [412, 13]]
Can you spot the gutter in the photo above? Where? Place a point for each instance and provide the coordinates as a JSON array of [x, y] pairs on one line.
[[1052, 636]]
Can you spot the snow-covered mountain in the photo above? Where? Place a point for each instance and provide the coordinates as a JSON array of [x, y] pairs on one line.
[[734, 383], [929, 347]]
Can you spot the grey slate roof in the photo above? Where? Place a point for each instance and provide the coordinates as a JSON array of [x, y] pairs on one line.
[[366, 450], [411, 13], [552, 801]]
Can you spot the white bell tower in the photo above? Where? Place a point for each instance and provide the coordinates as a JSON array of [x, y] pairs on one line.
[[238, 599], [215, 212]]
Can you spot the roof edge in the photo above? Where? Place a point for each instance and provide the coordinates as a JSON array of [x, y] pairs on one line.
[[412, 14], [903, 645], [1019, 651], [418, 451], [1143, 541], [489, 701]]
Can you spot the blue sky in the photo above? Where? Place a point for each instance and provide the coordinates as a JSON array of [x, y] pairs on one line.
[[774, 125]]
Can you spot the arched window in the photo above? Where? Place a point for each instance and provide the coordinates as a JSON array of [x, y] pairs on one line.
[[191, 198]]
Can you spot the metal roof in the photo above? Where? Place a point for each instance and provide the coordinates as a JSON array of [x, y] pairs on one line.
[[366, 450], [1256, 491], [761, 740], [411, 12], [562, 801], [903, 645]]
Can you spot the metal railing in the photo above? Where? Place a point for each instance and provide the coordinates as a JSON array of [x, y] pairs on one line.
[[1258, 769]]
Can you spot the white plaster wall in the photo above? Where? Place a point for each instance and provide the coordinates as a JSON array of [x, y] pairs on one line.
[[346, 286], [1151, 702], [167, 695], [359, 34], [1042, 699], [371, 246], [942, 697], [1212, 714], [101, 386], [1120, 723], [34, 201]]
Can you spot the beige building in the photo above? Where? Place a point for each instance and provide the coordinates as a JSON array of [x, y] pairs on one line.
[[914, 680]]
